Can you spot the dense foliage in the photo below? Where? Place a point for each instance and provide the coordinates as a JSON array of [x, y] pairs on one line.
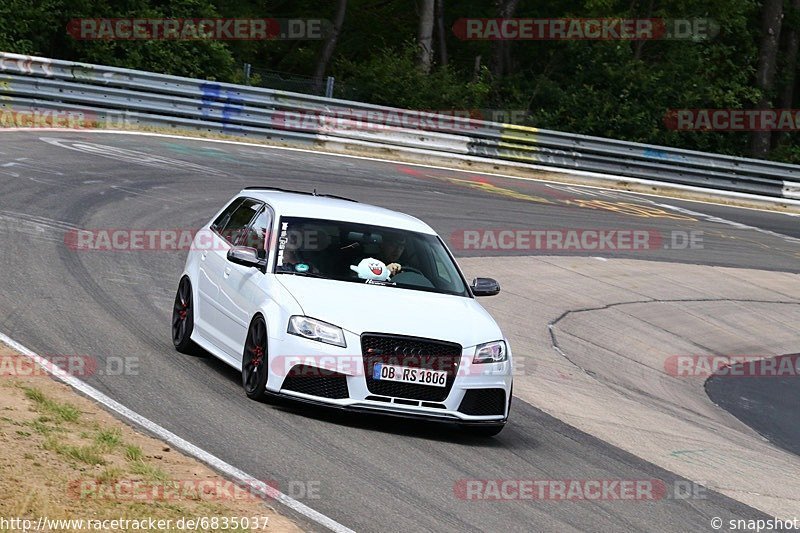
[[618, 89]]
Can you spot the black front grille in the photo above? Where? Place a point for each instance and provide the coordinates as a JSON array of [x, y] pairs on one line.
[[316, 382], [483, 402], [411, 352]]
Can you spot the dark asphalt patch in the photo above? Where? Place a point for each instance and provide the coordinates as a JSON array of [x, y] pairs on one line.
[[770, 404]]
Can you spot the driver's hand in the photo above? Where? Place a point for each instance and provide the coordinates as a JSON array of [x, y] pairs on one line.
[[394, 268]]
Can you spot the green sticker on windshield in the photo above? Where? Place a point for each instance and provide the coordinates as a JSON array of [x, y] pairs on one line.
[[302, 267]]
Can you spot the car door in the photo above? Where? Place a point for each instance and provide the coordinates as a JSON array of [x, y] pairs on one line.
[[206, 316], [215, 267], [242, 286]]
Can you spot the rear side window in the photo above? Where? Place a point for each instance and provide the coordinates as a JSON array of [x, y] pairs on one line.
[[223, 218], [255, 236], [232, 226]]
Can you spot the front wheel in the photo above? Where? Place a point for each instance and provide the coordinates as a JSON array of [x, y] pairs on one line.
[[183, 317], [254, 361]]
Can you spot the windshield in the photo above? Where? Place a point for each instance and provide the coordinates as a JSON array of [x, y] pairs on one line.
[[362, 253]]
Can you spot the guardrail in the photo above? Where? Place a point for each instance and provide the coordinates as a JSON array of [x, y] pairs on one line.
[[116, 97]]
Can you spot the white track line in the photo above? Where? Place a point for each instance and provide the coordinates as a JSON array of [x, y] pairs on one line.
[[234, 472], [738, 225], [178, 443], [528, 166]]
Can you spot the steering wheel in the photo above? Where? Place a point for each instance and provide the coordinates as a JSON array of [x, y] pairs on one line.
[[410, 269]]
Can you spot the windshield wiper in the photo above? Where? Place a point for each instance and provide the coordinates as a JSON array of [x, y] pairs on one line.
[[305, 274]]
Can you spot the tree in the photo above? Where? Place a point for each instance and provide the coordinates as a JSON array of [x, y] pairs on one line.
[[500, 63], [425, 35], [328, 47], [441, 32], [786, 98], [639, 45], [772, 14]]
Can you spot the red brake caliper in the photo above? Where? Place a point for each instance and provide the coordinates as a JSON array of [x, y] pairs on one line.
[[258, 353], [183, 312]]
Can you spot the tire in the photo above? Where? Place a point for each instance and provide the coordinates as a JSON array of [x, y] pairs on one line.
[[255, 361], [485, 431], [183, 317]]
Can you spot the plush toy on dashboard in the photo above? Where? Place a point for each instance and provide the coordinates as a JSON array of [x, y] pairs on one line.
[[371, 269]]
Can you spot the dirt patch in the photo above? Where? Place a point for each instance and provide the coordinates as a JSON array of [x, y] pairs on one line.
[[63, 457]]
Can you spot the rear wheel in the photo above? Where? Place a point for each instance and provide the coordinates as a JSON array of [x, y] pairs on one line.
[[254, 361], [183, 317]]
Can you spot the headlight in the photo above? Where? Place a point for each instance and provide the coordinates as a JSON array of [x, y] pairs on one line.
[[491, 352], [316, 330]]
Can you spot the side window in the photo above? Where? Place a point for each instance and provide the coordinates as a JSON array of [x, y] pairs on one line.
[[223, 218], [239, 220], [256, 234]]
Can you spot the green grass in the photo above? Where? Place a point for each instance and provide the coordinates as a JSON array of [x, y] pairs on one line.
[[41, 425], [150, 472], [133, 452], [109, 475], [63, 412], [84, 454], [108, 439]]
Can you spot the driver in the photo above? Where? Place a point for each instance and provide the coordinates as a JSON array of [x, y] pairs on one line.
[[392, 247]]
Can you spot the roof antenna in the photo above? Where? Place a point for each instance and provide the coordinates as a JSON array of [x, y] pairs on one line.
[[315, 191]]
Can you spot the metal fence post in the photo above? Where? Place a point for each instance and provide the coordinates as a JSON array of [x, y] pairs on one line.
[[329, 87], [247, 68]]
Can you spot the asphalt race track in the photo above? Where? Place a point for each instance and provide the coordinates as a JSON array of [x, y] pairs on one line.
[[767, 404], [373, 474]]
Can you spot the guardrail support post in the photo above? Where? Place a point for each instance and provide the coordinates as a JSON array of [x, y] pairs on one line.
[[247, 67], [329, 87]]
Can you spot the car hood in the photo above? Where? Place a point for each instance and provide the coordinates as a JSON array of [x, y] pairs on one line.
[[361, 308]]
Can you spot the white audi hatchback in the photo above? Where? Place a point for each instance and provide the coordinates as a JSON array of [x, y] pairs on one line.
[[329, 301]]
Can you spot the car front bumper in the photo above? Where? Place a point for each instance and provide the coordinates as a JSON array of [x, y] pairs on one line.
[[479, 395]]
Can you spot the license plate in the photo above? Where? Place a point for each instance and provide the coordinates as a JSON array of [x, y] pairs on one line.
[[404, 374]]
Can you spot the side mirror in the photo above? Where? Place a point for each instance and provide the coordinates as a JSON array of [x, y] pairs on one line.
[[246, 256], [485, 287]]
